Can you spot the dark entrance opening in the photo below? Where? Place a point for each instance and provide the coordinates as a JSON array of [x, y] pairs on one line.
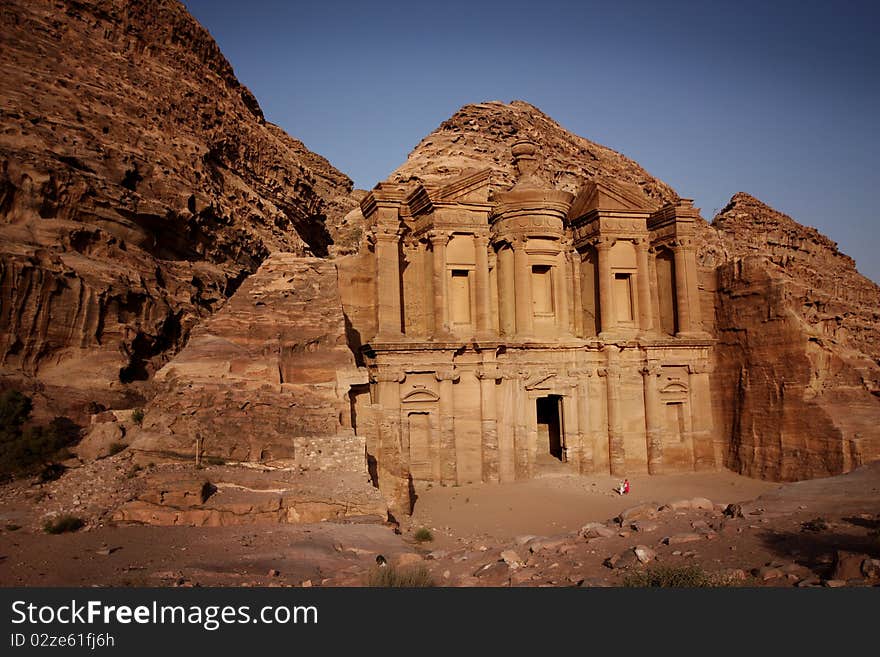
[[549, 424]]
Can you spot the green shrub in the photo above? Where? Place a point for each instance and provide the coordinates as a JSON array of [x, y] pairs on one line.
[[423, 535], [138, 416], [28, 450], [815, 525], [687, 577], [63, 523], [391, 577]]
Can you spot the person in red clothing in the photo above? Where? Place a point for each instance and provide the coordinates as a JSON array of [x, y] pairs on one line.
[[625, 486]]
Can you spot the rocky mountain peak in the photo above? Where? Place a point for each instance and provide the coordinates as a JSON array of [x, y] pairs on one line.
[[481, 135]]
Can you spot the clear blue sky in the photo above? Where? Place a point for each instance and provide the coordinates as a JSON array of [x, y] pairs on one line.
[[778, 99]]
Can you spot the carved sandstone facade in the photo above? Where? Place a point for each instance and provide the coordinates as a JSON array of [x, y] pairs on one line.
[[509, 333]]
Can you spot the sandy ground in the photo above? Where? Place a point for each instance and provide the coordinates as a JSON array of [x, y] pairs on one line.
[[522, 534], [563, 503]]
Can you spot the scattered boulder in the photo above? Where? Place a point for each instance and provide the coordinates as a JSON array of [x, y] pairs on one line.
[[512, 559], [702, 504], [871, 568], [596, 530], [644, 526], [734, 511], [847, 565], [644, 554], [101, 441], [638, 512], [677, 539]]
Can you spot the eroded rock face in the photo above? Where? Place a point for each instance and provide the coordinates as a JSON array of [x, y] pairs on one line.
[[797, 376], [266, 379], [139, 185]]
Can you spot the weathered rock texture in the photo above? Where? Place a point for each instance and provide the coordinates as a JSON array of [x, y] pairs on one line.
[[139, 184], [481, 135], [263, 382], [265, 379], [797, 376], [232, 496]]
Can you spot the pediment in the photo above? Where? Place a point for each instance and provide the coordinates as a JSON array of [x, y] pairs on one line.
[[674, 387], [541, 381], [604, 194], [472, 186]]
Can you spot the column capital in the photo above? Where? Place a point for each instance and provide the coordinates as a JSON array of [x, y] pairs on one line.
[[682, 243], [440, 237], [387, 234], [447, 374], [651, 369], [387, 376], [700, 367], [491, 372], [603, 243]]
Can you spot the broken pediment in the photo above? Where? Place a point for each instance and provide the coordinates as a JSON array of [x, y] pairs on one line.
[[540, 381], [470, 187], [610, 196]]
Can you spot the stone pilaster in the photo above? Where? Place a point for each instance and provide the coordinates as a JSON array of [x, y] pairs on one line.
[[438, 246], [616, 448], [525, 313], [388, 283], [484, 315], [603, 257], [506, 292], [653, 420], [682, 287], [448, 458], [488, 374], [708, 453], [646, 319]]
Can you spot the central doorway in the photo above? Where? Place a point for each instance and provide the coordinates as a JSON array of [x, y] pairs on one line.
[[549, 411]]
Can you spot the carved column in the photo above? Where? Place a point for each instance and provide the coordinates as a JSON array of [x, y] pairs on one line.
[[525, 313], [563, 289], [585, 434], [488, 374], [428, 289], [708, 454], [506, 424], [391, 463], [448, 460], [603, 257], [438, 244], [655, 295], [571, 426], [653, 420], [481, 247], [646, 319], [506, 292], [388, 283], [577, 308], [682, 297], [616, 448]]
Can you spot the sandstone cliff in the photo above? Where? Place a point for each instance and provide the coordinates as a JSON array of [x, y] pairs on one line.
[[797, 375], [139, 185]]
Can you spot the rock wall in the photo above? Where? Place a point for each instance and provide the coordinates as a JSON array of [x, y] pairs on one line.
[[266, 379], [797, 380], [139, 185]]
